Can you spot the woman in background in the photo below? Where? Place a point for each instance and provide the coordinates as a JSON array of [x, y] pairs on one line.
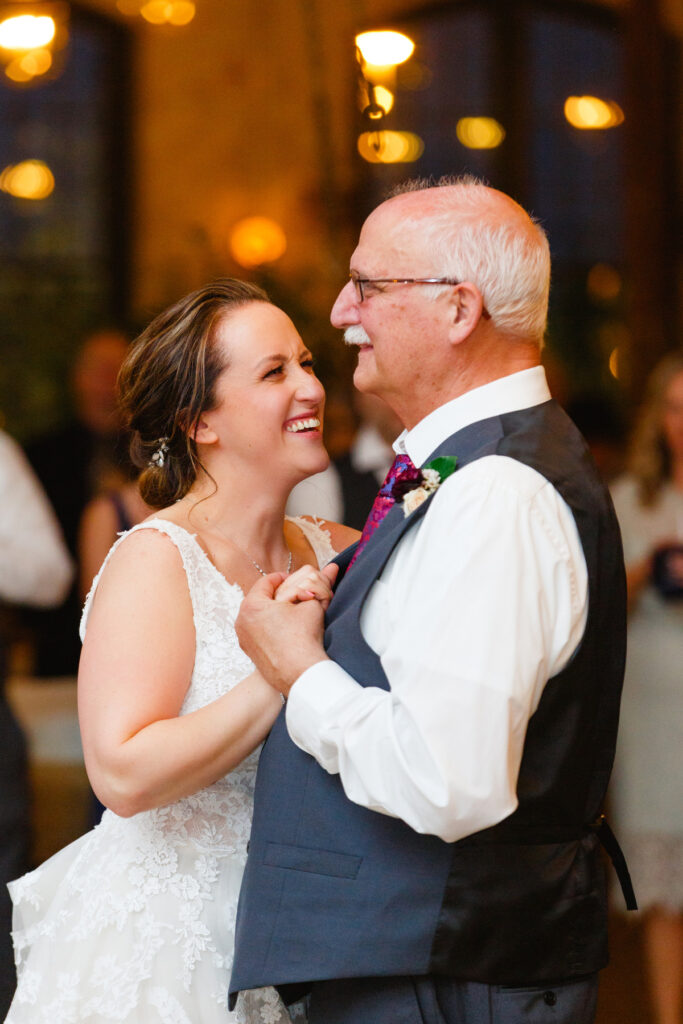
[[646, 790]]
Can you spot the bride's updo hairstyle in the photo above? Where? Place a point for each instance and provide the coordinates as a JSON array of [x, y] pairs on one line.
[[169, 379]]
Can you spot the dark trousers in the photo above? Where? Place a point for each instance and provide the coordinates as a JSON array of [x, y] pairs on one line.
[[432, 1000]]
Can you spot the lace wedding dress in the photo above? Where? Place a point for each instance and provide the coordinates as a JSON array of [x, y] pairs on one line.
[[134, 921]]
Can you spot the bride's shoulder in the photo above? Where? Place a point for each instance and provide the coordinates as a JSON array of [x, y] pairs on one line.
[[152, 547], [340, 536], [143, 574]]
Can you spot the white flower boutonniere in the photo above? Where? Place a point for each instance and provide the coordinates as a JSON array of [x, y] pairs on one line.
[[415, 486]]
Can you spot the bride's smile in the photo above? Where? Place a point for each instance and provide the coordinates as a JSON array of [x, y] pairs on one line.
[[269, 410]]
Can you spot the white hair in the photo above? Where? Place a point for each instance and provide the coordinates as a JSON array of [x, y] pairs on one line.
[[510, 266]]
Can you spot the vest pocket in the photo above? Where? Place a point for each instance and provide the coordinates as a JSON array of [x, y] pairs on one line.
[[318, 862]]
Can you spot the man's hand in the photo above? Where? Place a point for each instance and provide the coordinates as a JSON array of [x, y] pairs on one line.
[[281, 637]]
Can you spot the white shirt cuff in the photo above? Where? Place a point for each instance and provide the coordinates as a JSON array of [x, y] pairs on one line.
[[311, 701]]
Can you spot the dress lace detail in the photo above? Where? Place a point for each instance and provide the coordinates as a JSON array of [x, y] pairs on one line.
[[134, 921]]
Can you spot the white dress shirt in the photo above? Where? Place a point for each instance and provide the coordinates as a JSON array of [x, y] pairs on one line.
[[35, 567], [479, 605]]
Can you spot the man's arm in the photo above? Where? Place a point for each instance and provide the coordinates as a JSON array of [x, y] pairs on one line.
[[479, 605]]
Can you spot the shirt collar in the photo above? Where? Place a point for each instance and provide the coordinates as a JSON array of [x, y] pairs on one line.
[[520, 390]]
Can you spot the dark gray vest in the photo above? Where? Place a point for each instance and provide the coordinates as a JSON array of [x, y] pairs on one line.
[[333, 890]]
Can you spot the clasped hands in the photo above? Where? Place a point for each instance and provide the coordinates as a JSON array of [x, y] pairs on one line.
[[280, 623]]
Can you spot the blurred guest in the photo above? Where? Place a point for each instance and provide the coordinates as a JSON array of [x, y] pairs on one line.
[[75, 462], [345, 491], [35, 569], [646, 792]]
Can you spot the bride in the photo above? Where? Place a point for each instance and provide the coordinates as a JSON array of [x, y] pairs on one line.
[[134, 922]]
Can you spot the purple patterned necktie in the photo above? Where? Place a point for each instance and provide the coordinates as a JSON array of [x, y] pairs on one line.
[[383, 502]]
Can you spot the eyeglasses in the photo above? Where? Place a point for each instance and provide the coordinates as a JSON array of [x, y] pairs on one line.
[[361, 283]]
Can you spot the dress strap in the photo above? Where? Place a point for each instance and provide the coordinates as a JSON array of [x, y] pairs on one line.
[[184, 541], [317, 536]]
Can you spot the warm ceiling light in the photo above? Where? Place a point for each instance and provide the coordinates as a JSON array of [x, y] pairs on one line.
[[257, 240], [26, 32], [36, 62], [591, 113], [390, 147], [479, 132], [29, 65], [168, 12], [17, 73], [384, 49], [31, 179]]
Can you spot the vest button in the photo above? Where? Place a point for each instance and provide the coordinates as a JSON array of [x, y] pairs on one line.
[[549, 998]]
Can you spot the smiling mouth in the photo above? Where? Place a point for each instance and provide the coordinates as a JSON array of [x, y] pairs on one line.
[[302, 426]]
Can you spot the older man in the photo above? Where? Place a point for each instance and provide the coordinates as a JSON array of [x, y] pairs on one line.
[[425, 842]]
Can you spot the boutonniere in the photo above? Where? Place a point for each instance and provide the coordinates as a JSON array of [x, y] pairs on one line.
[[415, 485]]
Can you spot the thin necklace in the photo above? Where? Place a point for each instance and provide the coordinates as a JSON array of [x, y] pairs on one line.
[[262, 571], [246, 553], [254, 563]]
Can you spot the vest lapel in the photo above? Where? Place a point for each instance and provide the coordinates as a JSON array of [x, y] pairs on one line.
[[466, 445]]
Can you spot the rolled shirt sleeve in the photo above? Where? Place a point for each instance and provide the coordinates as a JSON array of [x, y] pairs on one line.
[[481, 603]]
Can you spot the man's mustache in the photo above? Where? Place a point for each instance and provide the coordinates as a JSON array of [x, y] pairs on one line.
[[356, 335]]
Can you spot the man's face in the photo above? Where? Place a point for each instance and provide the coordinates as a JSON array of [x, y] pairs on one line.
[[397, 326]]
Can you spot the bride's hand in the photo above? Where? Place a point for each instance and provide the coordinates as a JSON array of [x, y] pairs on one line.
[[308, 584]]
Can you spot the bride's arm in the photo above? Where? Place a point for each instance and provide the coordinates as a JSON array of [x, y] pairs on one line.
[[135, 670]]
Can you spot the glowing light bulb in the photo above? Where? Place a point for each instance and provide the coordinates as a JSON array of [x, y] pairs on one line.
[[591, 113], [385, 48], [479, 132], [384, 97], [183, 12], [387, 147], [156, 12], [29, 65], [168, 12], [257, 240], [31, 179], [26, 32], [37, 62]]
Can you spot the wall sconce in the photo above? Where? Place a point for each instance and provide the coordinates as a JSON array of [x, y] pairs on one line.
[[378, 54], [32, 35]]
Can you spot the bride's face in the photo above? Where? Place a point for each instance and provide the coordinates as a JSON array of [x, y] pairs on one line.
[[269, 412]]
